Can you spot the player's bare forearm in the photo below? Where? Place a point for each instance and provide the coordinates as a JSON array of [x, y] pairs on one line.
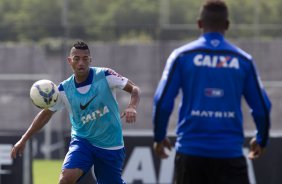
[[134, 90], [130, 112], [135, 97], [39, 121]]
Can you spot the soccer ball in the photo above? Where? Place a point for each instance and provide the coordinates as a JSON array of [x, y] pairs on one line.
[[44, 94]]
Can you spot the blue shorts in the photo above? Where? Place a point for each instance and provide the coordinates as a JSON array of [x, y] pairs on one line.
[[107, 163]]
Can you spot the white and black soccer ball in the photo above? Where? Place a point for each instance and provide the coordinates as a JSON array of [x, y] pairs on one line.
[[44, 94]]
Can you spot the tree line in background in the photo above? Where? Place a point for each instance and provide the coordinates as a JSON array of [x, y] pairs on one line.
[[118, 20]]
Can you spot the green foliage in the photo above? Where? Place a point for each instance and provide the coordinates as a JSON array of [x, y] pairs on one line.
[[113, 20], [184, 12]]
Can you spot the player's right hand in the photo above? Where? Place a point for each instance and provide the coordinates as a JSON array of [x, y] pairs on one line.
[[18, 149], [130, 114], [159, 148], [255, 150]]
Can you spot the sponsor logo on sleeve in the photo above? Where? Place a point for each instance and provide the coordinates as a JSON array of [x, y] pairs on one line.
[[114, 73]]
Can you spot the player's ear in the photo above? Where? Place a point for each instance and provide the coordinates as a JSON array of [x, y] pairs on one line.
[[69, 60]]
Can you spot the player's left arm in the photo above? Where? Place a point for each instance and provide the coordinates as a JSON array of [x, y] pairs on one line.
[[130, 112], [260, 105], [116, 80]]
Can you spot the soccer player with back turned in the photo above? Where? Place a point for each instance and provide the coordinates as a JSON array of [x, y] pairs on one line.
[[213, 75]]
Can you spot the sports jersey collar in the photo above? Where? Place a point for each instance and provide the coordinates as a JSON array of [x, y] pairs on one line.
[[88, 81], [213, 35]]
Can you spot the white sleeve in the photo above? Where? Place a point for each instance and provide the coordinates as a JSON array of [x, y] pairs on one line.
[[114, 79], [59, 104]]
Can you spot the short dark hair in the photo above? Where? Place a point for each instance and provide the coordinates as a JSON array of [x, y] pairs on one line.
[[80, 45], [214, 14]]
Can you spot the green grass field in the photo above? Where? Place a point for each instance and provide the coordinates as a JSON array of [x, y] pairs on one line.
[[46, 171]]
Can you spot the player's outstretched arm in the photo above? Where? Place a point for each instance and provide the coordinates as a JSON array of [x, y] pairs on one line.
[[130, 112], [39, 121]]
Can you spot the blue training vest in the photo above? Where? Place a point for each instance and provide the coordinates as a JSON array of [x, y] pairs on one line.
[[95, 115]]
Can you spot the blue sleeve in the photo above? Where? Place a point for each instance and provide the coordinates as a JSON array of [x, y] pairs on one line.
[[164, 97], [260, 105]]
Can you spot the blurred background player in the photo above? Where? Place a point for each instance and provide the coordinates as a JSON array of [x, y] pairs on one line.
[[213, 75], [89, 97]]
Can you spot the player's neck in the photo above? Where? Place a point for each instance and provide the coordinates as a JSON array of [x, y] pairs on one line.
[[213, 31], [81, 78]]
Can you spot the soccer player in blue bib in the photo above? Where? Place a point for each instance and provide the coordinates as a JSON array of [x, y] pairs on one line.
[[96, 134], [213, 75]]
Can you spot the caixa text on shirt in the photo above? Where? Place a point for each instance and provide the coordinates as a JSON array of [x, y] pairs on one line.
[[213, 114], [94, 115], [216, 61]]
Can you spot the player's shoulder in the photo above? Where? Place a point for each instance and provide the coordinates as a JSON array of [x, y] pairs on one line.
[[67, 81], [111, 72], [188, 48], [241, 52], [105, 70], [97, 70]]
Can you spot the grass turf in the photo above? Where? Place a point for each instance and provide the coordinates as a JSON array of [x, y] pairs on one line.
[[46, 171]]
